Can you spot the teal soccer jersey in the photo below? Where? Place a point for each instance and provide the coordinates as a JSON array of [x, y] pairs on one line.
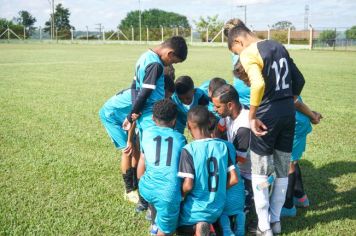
[[199, 99], [148, 87], [208, 162], [160, 185]]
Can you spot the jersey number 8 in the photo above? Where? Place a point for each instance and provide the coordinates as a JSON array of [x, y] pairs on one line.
[[213, 173]]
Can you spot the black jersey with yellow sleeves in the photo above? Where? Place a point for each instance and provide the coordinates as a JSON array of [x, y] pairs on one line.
[[274, 78]]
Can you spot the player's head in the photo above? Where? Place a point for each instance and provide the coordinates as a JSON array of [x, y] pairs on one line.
[[226, 100], [165, 113], [240, 73], [169, 76], [239, 37], [214, 84], [231, 24], [198, 122], [213, 123], [185, 89], [173, 50]]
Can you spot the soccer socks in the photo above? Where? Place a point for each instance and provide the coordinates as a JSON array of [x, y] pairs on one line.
[[277, 199], [127, 177], [240, 229], [225, 225], [134, 178], [261, 202], [290, 191], [298, 188]]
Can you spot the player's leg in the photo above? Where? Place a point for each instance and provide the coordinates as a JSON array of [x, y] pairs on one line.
[[288, 209], [240, 218], [225, 225], [281, 159], [301, 199], [167, 216], [119, 138], [263, 167]]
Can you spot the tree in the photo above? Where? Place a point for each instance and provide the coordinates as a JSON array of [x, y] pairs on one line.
[[61, 22], [283, 25], [210, 23], [27, 20], [17, 29], [351, 33], [153, 19], [328, 36]]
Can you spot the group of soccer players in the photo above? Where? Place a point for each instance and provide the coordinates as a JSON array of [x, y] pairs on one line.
[[247, 139]]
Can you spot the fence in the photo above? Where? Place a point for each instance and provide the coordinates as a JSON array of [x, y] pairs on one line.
[[320, 38]]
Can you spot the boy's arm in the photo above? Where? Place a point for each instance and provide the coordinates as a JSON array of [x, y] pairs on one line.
[[232, 177], [303, 108], [141, 167], [298, 80], [153, 73], [130, 134], [186, 171]]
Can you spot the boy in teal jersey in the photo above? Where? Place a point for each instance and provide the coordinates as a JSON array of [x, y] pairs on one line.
[[159, 184], [232, 220], [112, 115], [148, 83], [295, 193], [207, 171], [186, 97], [208, 88]]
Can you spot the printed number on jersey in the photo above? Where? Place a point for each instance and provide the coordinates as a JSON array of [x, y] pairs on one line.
[[213, 172], [283, 63], [158, 141]]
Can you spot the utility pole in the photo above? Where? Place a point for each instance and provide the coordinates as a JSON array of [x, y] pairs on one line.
[[53, 20], [245, 8], [306, 17], [139, 11], [99, 28]]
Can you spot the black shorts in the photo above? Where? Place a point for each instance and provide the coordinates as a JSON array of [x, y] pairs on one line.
[[279, 137]]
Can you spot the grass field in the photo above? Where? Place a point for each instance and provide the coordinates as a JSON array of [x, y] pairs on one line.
[[59, 171]]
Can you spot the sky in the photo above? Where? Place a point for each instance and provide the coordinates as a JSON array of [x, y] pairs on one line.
[[260, 13]]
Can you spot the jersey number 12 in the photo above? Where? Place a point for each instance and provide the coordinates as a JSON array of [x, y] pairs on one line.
[[282, 63]]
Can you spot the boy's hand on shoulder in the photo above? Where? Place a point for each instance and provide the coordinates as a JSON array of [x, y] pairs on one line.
[[135, 116]]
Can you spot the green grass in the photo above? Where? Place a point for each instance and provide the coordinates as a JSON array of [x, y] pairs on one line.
[[59, 171]]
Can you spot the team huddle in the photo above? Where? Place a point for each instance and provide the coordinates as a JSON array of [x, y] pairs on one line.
[[247, 139]]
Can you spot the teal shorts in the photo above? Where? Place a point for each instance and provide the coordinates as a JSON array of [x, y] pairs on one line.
[[113, 127]]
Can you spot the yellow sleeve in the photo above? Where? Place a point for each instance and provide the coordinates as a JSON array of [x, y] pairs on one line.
[[252, 62]]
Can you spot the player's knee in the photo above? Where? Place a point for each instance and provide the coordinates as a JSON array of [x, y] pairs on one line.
[[261, 203]]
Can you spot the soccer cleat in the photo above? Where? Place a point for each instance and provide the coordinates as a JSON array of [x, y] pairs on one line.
[[302, 202], [148, 216], [268, 232], [276, 227], [131, 196], [140, 207], [292, 212], [154, 229], [203, 229]]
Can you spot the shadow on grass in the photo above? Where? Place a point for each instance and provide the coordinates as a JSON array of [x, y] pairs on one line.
[[326, 204]]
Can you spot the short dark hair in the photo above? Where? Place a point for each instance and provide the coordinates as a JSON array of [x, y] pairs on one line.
[[236, 31], [184, 84], [199, 115], [226, 93], [216, 83], [213, 121], [165, 110], [179, 46]]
